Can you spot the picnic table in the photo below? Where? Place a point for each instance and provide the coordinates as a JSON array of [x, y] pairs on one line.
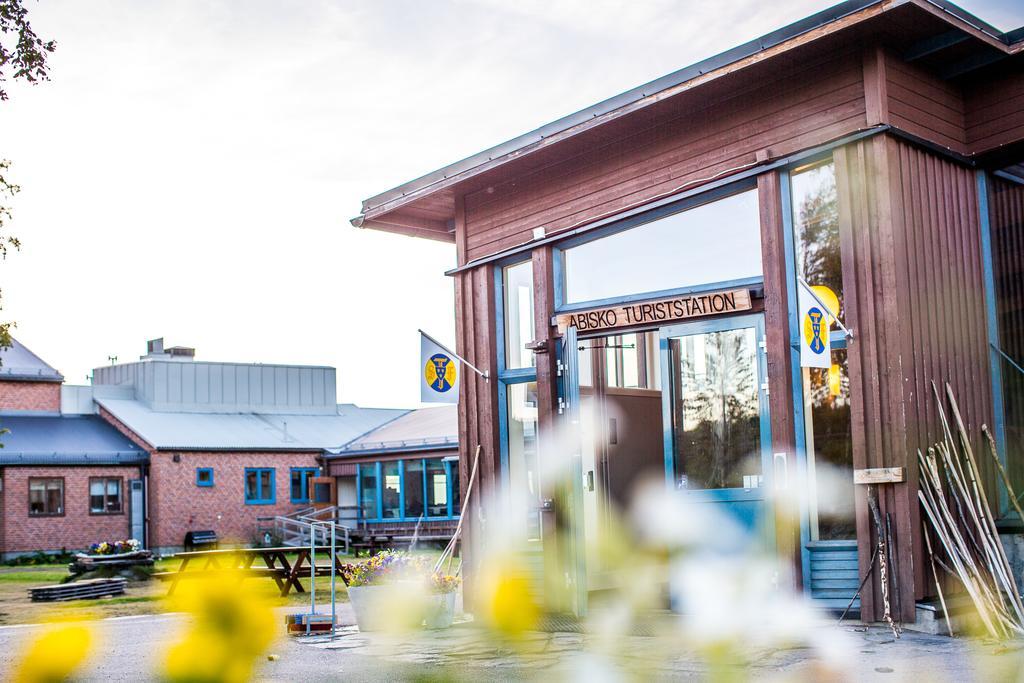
[[276, 565]]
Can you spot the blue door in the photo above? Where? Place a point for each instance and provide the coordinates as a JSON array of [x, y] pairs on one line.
[[716, 426]]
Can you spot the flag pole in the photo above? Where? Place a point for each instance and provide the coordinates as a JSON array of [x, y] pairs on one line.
[[814, 295], [482, 373]]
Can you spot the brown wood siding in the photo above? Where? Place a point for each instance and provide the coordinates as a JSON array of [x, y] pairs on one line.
[[995, 111], [1006, 211], [915, 298], [813, 104], [923, 105], [475, 340]]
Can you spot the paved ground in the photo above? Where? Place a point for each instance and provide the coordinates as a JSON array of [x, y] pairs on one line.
[[130, 650]]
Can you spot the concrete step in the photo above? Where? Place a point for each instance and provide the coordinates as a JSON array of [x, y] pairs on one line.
[[931, 619]]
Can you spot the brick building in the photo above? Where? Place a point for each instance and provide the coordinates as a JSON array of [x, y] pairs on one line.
[[156, 448], [65, 478]]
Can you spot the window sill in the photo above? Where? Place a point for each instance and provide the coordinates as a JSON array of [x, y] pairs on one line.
[[259, 502], [106, 514], [44, 515]]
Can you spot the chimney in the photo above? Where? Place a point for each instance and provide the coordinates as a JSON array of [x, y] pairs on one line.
[[156, 350]]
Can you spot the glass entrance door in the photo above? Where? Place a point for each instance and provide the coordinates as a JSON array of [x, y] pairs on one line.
[[716, 428]]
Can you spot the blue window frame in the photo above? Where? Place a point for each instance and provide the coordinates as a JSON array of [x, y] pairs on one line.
[[204, 476], [507, 376], [259, 486], [406, 490], [299, 483]]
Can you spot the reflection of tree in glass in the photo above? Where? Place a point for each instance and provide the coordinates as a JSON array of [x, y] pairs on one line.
[[818, 229], [720, 425], [833, 451]]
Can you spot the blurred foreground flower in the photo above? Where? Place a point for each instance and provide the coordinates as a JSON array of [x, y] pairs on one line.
[[230, 628], [506, 598], [55, 655]]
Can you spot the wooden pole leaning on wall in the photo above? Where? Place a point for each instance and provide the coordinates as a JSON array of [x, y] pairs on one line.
[[883, 554], [956, 504], [449, 550]]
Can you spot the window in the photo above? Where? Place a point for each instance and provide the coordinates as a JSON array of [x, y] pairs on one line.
[[524, 481], [453, 468], [105, 496], [391, 496], [716, 242], [300, 483], [368, 490], [816, 228], [413, 488], [259, 486], [437, 489], [830, 442], [826, 392], [204, 476], [517, 286], [45, 497]]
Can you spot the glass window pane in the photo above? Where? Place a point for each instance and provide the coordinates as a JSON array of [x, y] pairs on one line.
[[714, 242], [413, 488], [437, 489], [456, 493], [715, 410], [368, 490], [524, 474], [251, 487], [816, 228], [113, 495], [96, 489], [830, 447], [391, 491], [55, 499], [630, 365], [518, 293]]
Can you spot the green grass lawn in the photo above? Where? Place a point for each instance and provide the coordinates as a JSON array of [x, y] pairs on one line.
[[142, 597]]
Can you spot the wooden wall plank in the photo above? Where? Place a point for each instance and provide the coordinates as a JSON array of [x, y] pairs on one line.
[[633, 169], [780, 365]]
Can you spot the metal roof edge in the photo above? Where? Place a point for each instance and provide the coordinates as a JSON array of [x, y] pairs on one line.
[[24, 377], [418, 448], [90, 458], [676, 78]]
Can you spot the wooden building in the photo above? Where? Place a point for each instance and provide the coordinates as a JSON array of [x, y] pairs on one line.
[[874, 148]]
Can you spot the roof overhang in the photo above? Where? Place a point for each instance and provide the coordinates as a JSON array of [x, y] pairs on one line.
[[425, 207]]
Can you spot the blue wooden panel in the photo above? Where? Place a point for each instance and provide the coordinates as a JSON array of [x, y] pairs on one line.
[[834, 572]]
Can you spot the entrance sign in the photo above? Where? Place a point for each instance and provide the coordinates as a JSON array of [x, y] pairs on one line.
[[439, 373], [653, 312], [815, 347]]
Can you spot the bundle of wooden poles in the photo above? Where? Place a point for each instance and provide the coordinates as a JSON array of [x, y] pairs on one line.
[[956, 505]]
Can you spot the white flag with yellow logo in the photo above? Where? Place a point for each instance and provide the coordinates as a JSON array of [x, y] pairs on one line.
[[439, 373], [815, 348]]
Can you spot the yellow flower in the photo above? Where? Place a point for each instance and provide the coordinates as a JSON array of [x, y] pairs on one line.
[[55, 655], [507, 599], [230, 628]]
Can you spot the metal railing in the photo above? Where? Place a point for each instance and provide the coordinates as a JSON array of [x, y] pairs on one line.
[[303, 526]]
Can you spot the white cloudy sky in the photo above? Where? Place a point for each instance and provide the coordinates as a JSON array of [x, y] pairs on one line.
[[190, 170]]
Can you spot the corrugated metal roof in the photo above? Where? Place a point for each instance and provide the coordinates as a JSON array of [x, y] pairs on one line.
[[18, 362], [426, 428], [247, 431], [64, 440]]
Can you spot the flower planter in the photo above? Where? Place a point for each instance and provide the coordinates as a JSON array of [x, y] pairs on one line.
[[440, 611], [368, 604]]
